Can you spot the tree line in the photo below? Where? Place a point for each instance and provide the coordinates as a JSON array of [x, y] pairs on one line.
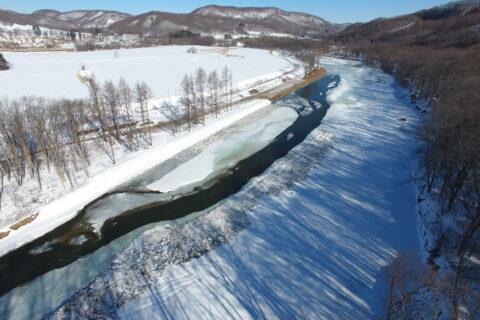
[[447, 79], [418, 291], [304, 50], [58, 134], [291, 45], [451, 25], [36, 132], [200, 94]]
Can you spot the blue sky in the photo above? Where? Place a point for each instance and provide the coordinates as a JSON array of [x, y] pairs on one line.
[[339, 11]]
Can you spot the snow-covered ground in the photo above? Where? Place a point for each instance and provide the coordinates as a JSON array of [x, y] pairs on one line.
[[54, 74], [323, 223], [317, 250], [67, 206], [58, 70]]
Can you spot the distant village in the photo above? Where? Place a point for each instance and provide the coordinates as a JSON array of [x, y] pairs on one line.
[[19, 36], [33, 37]]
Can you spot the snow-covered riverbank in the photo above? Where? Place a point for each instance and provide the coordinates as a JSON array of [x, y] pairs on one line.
[[323, 223], [315, 251], [66, 207], [57, 285], [54, 203]]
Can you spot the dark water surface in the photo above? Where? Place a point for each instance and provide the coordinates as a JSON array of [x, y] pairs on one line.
[[21, 266]]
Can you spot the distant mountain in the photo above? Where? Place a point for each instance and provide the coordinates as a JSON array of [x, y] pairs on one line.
[[80, 19], [219, 19], [209, 19], [456, 24], [10, 17], [269, 18]]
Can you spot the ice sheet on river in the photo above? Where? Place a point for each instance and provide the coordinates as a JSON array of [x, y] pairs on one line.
[[224, 153], [230, 147]]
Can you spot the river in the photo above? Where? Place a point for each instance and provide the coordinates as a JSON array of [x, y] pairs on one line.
[[57, 249]]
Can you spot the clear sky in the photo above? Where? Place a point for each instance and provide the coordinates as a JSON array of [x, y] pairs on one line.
[[339, 11]]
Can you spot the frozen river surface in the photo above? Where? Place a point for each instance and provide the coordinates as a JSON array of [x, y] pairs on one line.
[[307, 238]]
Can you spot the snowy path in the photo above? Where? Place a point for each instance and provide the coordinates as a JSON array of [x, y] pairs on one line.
[[317, 250]]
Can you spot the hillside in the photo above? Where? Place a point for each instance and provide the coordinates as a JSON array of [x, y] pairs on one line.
[[209, 19], [456, 24], [218, 19], [80, 19], [435, 54]]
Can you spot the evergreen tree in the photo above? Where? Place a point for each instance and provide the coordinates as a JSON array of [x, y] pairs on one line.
[[36, 30], [4, 65]]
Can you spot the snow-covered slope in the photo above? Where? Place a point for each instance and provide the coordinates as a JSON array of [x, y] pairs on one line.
[[80, 19], [258, 14], [92, 19], [220, 19]]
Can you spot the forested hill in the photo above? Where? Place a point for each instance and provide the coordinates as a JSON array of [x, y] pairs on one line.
[[436, 54], [456, 24], [210, 19]]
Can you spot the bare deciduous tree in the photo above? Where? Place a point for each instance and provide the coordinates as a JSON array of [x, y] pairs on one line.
[[186, 102], [200, 84], [142, 94], [213, 87], [111, 97]]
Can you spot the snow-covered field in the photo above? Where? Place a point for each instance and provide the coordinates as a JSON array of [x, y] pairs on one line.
[[323, 223], [54, 74]]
